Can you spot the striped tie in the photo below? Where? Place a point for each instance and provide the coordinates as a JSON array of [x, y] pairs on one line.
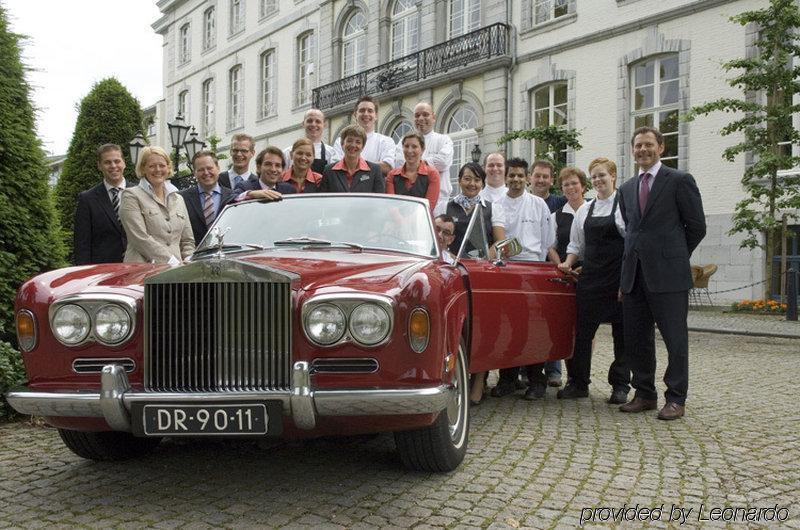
[[115, 200], [208, 209]]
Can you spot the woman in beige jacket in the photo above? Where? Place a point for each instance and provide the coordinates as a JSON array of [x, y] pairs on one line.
[[154, 215]]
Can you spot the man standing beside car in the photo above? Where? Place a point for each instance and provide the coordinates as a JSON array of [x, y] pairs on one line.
[[99, 236], [527, 218], [243, 148], [205, 200]]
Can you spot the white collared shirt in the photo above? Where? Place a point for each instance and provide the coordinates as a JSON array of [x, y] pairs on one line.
[[330, 154], [109, 187], [527, 218], [602, 208], [494, 194]]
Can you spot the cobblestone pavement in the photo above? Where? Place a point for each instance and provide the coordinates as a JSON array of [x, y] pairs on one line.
[[742, 323], [530, 464]]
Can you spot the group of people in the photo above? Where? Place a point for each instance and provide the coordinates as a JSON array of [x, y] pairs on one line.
[[628, 249]]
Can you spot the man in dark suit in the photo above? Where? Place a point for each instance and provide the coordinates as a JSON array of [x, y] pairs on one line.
[[270, 165], [243, 148], [205, 201], [664, 220], [98, 236]]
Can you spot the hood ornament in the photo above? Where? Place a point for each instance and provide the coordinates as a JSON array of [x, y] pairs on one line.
[[219, 234]]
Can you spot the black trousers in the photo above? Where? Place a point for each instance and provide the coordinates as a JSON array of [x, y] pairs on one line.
[[580, 365], [535, 373], [669, 311]]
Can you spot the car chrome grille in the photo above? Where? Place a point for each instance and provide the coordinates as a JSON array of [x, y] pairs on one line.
[[217, 337]]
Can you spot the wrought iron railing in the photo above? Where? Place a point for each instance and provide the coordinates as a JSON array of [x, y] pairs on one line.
[[468, 49]]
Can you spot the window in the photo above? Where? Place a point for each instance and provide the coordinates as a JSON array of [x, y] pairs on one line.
[[183, 104], [354, 44], [655, 96], [546, 10], [268, 107], [151, 127], [549, 108], [405, 28], [401, 129], [306, 50], [235, 98], [209, 28], [465, 16], [461, 128], [237, 16], [208, 107], [184, 49], [267, 8]]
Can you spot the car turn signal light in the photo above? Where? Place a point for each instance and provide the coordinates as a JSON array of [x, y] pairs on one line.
[[26, 330], [419, 329]]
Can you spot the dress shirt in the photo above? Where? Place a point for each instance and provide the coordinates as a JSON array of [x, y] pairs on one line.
[[243, 195], [379, 148], [527, 218], [653, 172], [109, 187], [330, 154], [216, 197], [566, 209], [232, 174], [602, 208], [494, 194]]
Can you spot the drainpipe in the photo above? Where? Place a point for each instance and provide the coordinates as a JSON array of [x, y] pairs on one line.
[[512, 40]]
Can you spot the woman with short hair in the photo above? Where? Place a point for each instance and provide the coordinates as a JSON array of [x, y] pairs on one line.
[[351, 174], [154, 215]]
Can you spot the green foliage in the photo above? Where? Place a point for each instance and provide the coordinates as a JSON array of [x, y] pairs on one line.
[[29, 237], [12, 373], [108, 114], [550, 141]]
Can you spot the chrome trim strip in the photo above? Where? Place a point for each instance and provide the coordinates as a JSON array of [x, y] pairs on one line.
[[387, 402], [86, 365], [344, 365]]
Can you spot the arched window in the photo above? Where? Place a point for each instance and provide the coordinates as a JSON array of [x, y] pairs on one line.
[[354, 44], [209, 28], [306, 53], [461, 127], [655, 100], [184, 44], [400, 129], [183, 104], [235, 98], [549, 107], [268, 85], [405, 28], [208, 107]]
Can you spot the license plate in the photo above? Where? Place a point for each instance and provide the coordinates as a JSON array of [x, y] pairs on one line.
[[210, 420]]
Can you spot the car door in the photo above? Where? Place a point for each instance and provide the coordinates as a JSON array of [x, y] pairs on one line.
[[522, 312]]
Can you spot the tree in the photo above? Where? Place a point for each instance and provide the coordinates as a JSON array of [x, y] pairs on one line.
[[29, 239], [769, 82], [108, 114], [550, 140]]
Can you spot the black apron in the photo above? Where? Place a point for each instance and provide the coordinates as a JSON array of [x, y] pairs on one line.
[[563, 227], [318, 165], [598, 283]]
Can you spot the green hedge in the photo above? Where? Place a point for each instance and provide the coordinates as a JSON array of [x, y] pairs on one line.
[[11, 373]]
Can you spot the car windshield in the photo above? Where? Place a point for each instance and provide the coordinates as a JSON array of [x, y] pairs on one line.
[[320, 221]]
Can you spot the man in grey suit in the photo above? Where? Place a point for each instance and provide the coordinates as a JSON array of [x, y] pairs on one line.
[[208, 198], [664, 219], [243, 149]]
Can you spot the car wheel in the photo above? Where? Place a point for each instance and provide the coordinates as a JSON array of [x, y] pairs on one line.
[[107, 445], [441, 446]]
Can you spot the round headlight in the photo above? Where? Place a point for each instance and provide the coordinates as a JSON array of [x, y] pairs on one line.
[[71, 324], [369, 324], [111, 324], [325, 324]]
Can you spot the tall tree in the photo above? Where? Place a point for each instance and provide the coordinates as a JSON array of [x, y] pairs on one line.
[[550, 141], [108, 114], [769, 81], [29, 235]]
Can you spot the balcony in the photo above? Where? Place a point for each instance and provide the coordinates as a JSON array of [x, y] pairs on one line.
[[469, 53]]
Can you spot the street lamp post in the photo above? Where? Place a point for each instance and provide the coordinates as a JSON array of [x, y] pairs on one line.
[[136, 145], [177, 135], [193, 146], [476, 153]]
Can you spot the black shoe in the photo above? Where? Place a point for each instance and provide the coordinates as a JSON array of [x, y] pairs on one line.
[[504, 388], [536, 391], [618, 397], [572, 391]]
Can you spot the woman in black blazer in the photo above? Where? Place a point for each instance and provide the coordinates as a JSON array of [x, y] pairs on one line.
[[352, 174]]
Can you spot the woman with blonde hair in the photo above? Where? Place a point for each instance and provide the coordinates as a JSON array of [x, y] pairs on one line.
[[154, 215], [597, 237]]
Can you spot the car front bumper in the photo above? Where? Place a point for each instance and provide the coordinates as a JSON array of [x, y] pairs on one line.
[[114, 400]]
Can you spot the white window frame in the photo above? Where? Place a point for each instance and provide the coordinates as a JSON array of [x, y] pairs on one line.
[[185, 43], [545, 11], [469, 17], [268, 85], [305, 57], [235, 97], [208, 107], [237, 18], [209, 28], [182, 106], [405, 123], [354, 45], [464, 140], [657, 109], [267, 8], [553, 111], [406, 23]]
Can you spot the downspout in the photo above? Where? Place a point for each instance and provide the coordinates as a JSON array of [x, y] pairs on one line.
[[512, 40]]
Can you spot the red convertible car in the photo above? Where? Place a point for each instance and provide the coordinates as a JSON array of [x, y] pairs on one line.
[[315, 315]]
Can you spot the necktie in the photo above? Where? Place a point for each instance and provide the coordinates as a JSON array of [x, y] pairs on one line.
[[208, 209], [115, 200], [644, 191], [238, 179]]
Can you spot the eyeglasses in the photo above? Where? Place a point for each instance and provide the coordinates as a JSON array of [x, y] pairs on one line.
[[240, 151]]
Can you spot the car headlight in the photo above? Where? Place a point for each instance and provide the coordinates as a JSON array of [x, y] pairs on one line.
[[111, 324], [369, 324], [71, 324], [325, 324]]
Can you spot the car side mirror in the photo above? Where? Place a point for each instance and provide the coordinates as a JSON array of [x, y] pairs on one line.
[[507, 248]]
